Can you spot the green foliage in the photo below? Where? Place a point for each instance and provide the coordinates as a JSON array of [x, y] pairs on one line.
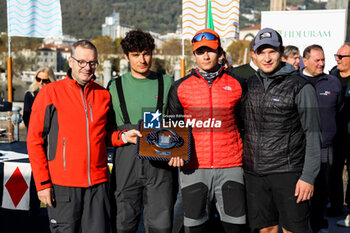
[[117, 45], [65, 66], [115, 65], [172, 47], [237, 50], [104, 45], [83, 19], [19, 43]]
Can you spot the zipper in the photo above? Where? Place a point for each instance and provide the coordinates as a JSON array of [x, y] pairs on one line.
[[64, 153], [211, 129], [287, 151], [48, 147], [91, 112], [83, 97]]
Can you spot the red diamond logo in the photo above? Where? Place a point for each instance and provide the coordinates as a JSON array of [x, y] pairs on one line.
[[16, 186]]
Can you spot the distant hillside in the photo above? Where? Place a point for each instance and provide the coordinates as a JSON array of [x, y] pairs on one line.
[[83, 18]]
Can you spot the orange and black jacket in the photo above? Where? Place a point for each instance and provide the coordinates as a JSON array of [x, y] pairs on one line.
[[217, 140], [67, 134]]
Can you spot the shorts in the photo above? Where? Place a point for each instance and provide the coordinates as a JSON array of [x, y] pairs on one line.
[[270, 200], [200, 187]]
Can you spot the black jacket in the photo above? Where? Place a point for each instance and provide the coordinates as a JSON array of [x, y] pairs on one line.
[[274, 139], [330, 102], [282, 131]]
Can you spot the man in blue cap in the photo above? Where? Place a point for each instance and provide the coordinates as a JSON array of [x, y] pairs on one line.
[[282, 140]]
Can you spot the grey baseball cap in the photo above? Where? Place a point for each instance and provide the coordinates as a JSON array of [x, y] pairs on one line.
[[267, 36]]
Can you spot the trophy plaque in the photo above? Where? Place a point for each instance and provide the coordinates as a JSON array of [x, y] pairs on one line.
[[163, 143]]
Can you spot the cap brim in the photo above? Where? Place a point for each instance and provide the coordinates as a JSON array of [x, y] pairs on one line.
[[213, 44], [275, 44]]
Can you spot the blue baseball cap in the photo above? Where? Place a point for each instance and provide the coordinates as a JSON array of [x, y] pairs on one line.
[[267, 36]]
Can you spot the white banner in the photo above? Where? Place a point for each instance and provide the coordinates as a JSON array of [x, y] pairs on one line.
[[34, 18], [304, 28], [16, 189]]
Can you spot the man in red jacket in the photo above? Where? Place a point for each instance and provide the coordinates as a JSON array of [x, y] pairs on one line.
[[67, 146], [208, 98]]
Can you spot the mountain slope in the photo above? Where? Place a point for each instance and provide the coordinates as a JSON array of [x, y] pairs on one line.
[[83, 19]]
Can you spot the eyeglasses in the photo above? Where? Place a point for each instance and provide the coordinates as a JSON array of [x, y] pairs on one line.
[[340, 56], [82, 63], [46, 81], [206, 35]]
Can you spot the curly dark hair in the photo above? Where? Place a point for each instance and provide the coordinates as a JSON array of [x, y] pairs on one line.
[[137, 41]]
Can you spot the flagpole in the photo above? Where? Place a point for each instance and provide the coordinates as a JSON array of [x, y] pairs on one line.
[[183, 59], [9, 60], [206, 14], [9, 72]]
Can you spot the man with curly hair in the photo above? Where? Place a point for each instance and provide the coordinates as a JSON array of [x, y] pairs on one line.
[[140, 184]]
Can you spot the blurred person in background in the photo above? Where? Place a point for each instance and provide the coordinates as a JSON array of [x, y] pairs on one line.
[[43, 76], [330, 102], [226, 61], [247, 70], [341, 147], [291, 55]]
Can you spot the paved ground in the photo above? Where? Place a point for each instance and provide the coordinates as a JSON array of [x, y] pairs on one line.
[[333, 228]]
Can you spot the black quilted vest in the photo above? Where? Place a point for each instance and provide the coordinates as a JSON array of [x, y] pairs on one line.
[[274, 139]]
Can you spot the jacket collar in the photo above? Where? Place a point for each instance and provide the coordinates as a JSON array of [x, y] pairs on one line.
[[321, 76], [198, 75]]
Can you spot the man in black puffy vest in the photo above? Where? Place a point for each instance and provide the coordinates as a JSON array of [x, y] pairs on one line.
[[282, 140]]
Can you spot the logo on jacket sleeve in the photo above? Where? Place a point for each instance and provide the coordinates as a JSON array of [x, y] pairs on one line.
[[151, 120], [326, 93]]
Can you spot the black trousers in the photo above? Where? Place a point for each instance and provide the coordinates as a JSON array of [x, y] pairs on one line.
[[75, 208], [141, 186], [319, 200], [341, 154]]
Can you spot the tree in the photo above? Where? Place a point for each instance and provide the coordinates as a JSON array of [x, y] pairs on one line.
[[117, 45], [172, 47], [104, 45], [237, 50], [115, 65]]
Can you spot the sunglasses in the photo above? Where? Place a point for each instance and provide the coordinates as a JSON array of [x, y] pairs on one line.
[[46, 81], [340, 56], [206, 35]]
